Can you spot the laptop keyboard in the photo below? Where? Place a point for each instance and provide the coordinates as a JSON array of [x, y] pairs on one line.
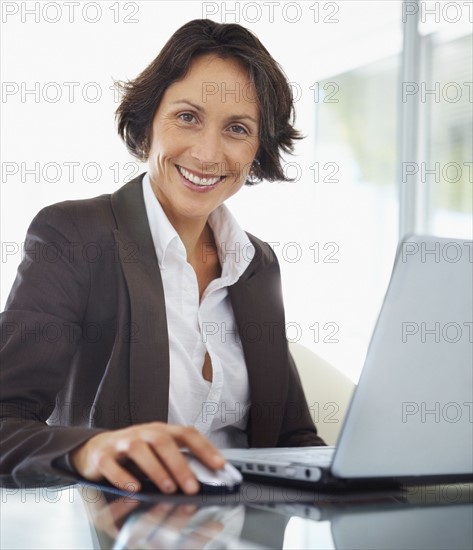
[[310, 456]]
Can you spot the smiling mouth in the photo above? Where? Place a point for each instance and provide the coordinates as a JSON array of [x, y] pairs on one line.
[[205, 181]]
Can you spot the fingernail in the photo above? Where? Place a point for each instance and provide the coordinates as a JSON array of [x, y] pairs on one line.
[[191, 486], [168, 486], [218, 459]]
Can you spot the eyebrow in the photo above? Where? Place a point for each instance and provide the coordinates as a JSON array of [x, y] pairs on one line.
[[202, 110]]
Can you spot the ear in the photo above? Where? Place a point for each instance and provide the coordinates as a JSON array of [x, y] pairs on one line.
[[254, 175]]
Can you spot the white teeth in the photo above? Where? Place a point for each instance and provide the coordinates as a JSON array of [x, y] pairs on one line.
[[195, 179]]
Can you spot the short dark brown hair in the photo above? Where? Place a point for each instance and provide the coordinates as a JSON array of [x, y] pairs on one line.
[[141, 97]]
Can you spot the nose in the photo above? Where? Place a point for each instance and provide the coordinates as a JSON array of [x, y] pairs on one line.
[[208, 150]]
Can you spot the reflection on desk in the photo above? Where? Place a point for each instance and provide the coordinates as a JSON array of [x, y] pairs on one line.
[[260, 516]]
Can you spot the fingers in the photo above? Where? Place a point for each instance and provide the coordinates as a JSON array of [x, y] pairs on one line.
[[173, 460], [199, 445], [166, 442], [112, 471], [154, 448], [148, 462]]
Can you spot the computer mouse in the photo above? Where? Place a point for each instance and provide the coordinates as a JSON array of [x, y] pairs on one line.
[[227, 478]]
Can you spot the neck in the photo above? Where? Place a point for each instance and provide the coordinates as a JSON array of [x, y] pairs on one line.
[[195, 233], [196, 236]]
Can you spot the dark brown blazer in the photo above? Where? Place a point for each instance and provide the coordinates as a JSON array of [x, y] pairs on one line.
[[84, 342]]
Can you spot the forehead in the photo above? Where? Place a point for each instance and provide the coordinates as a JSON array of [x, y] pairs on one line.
[[213, 80]]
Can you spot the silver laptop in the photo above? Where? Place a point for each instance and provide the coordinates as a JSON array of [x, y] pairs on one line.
[[411, 415]]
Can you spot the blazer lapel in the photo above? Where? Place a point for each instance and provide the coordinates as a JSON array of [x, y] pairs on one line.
[[148, 334]]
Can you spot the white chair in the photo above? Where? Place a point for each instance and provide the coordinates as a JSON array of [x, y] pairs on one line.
[[327, 390]]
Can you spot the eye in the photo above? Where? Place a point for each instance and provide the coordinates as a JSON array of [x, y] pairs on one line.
[[186, 117], [237, 129]]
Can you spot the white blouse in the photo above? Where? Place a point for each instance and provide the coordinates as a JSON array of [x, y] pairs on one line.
[[219, 408]]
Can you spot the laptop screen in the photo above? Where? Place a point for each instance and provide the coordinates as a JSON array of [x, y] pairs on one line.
[[412, 413]]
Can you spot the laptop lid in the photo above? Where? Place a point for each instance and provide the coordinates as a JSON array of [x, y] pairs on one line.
[[412, 412]]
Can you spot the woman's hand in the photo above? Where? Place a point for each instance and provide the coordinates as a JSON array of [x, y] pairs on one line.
[[154, 448]]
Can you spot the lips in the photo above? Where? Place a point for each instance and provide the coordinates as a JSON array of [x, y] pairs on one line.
[[204, 180]]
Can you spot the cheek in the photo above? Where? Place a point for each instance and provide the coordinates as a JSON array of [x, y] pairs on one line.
[[165, 140], [234, 188], [245, 165], [163, 153], [242, 158]]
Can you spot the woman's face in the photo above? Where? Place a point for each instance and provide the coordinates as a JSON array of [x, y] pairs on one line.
[[204, 138]]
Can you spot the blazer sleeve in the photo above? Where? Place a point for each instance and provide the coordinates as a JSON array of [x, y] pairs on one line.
[[40, 331]]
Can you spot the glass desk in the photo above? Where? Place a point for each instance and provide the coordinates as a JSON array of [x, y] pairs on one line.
[[41, 515]]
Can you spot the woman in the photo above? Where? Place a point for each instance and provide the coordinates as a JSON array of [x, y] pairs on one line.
[[170, 333]]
